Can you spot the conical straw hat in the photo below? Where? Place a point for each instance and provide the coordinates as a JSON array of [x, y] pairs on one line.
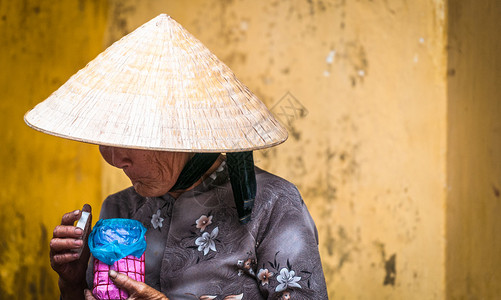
[[158, 88]]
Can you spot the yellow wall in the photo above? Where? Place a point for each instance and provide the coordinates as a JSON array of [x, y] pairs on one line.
[[42, 43], [474, 151], [393, 142]]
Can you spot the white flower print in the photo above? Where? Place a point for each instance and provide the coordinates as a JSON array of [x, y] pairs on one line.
[[206, 241], [156, 220], [287, 279]]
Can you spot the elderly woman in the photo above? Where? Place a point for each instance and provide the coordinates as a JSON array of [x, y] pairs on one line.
[[164, 109]]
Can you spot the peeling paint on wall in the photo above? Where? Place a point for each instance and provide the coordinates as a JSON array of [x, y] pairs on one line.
[[391, 270]]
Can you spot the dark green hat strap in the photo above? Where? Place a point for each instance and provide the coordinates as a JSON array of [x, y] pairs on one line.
[[243, 182], [241, 172], [197, 166]]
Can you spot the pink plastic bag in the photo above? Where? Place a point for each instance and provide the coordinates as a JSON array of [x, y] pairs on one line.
[[104, 287]]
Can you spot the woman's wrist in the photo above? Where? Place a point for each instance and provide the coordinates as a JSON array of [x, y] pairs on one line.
[[71, 290]]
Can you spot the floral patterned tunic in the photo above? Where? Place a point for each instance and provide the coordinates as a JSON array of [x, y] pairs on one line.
[[196, 248]]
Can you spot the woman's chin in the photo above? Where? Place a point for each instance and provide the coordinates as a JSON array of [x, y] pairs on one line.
[[147, 191]]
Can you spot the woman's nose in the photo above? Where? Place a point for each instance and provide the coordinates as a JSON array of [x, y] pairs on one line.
[[116, 157]]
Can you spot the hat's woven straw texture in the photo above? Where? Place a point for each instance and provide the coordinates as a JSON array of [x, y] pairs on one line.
[[158, 88]]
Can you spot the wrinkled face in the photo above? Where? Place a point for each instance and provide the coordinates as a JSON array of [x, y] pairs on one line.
[[152, 173]]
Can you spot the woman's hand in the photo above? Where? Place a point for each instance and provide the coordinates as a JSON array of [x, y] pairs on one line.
[[68, 264], [136, 290]]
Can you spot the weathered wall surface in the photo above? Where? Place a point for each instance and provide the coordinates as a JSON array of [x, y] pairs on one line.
[[474, 151], [361, 86], [42, 43]]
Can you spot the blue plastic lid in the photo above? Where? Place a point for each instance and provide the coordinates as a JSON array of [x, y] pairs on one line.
[[114, 239]]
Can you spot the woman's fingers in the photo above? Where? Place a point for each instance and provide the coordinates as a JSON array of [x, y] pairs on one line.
[[87, 208], [71, 217], [58, 245], [67, 228], [125, 282], [67, 231], [63, 258], [136, 290], [68, 263]]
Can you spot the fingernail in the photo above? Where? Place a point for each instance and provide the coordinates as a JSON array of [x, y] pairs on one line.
[[113, 274], [78, 242], [78, 231], [76, 212]]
